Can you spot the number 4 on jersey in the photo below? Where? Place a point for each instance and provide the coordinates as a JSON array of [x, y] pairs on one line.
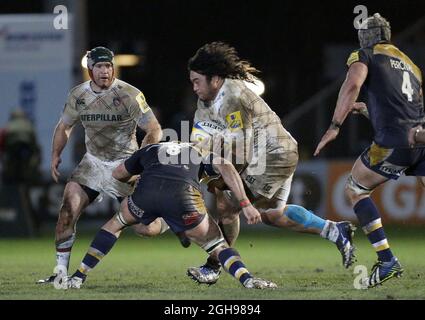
[[406, 87]]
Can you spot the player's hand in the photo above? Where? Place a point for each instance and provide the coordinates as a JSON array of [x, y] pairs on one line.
[[330, 135], [411, 135], [358, 107], [251, 214], [54, 168]]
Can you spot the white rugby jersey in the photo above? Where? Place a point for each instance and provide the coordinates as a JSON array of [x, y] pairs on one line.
[[239, 112], [109, 118]]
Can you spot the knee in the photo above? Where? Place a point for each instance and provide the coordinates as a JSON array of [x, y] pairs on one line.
[[226, 209], [225, 203], [354, 191], [349, 194], [221, 206]]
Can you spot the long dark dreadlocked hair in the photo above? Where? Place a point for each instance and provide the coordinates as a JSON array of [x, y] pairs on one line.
[[220, 59]]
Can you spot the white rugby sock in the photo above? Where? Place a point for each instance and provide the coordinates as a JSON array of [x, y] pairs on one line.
[[330, 231], [63, 251]]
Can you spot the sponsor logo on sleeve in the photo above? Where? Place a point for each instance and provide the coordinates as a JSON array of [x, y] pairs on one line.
[[140, 98]]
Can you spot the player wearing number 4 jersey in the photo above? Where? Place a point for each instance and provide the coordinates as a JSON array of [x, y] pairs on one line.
[[393, 84]]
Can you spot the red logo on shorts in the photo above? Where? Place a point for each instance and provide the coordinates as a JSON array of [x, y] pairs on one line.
[[190, 218]]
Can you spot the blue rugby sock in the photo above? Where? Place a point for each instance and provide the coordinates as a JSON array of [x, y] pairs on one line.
[[304, 217], [232, 263], [370, 221], [100, 246]]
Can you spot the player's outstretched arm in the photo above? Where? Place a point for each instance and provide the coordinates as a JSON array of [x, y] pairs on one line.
[[233, 181], [348, 95], [60, 139]]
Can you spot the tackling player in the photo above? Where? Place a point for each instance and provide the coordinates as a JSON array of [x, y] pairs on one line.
[[170, 188]]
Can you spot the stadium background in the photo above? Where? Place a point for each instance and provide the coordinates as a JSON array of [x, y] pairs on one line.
[[300, 47]]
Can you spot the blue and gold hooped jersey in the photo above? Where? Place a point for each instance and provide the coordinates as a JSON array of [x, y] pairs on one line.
[[394, 93]]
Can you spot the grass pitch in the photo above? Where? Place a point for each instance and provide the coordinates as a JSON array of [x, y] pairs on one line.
[[303, 266]]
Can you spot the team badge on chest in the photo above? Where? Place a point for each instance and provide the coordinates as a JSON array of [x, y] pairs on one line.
[[117, 101], [234, 121]]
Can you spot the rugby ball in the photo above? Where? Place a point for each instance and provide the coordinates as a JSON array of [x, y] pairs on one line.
[[205, 130]]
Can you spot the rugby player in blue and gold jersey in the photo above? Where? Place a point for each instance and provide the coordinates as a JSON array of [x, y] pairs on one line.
[[169, 188], [393, 84]]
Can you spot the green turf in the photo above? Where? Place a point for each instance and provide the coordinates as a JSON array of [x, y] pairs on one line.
[[303, 266]]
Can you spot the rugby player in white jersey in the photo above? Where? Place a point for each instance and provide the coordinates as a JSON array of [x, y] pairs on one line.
[[229, 107], [109, 110]]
